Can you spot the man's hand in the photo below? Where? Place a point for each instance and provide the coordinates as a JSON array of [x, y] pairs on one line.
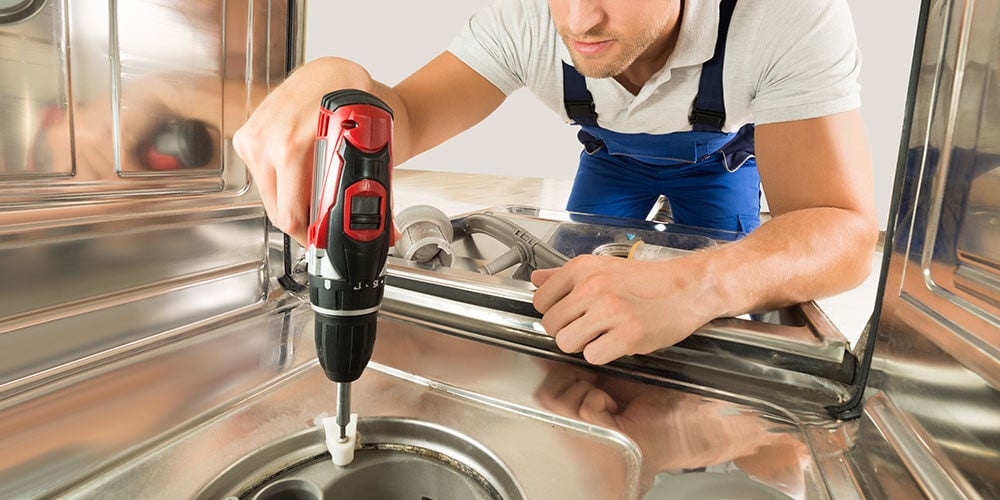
[[817, 175], [609, 307], [277, 141], [440, 100]]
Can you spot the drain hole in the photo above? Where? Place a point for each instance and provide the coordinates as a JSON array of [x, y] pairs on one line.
[[412, 476], [290, 489], [391, 466]]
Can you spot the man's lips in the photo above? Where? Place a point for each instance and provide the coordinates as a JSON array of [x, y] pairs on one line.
[[590, 48]]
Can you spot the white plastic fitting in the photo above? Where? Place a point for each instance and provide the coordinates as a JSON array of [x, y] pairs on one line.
[[341, 451]]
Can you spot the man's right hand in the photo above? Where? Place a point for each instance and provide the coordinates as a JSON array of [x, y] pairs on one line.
[[440, 100], [277, 141]]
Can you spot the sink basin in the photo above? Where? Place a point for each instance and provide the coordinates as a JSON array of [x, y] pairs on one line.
[[398, 459], [203, 403]]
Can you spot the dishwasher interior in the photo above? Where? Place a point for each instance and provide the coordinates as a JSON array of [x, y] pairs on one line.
[[443, 416], [153, 343], [474, 271]]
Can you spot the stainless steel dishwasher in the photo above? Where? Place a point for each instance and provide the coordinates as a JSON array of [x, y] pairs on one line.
[[153, 345]]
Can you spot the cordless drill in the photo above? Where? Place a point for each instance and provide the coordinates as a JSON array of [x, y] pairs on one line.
[[350, 232]]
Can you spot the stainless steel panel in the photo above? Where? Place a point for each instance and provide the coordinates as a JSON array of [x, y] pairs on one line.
[[34, 91], [937, 356], [58, 265], [122, 401], [86, 119], [962, 164], [908, 464], [51, 345], [168, 59], [164, 422], [105, 251]]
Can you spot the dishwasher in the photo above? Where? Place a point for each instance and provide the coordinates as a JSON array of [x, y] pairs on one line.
[[155, 341]]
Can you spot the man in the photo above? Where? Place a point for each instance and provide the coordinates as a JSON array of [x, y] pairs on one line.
[[788, 65]]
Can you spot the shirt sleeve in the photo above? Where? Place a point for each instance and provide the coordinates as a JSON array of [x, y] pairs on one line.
[[807, 62], [496, 42]]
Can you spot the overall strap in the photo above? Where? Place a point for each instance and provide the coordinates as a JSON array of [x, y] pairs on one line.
[[709, 111], [579, 102]]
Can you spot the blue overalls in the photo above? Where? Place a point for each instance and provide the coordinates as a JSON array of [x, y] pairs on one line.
[[709, 177]]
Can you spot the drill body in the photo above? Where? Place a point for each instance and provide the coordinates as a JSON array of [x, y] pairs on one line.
[[350, 232]]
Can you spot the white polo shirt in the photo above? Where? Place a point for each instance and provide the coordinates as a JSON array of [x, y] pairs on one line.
[[785, 60]]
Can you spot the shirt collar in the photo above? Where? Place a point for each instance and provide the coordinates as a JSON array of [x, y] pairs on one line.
[[699, 31]]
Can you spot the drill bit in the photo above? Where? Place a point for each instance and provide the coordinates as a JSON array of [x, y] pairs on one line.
[[343, 408]]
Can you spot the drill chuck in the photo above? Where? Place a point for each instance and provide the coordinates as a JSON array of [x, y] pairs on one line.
[[344, 344]]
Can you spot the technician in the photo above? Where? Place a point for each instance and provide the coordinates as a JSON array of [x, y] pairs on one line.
[[702, 101]]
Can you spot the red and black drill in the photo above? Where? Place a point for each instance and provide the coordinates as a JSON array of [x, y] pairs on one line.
[[350, 232]]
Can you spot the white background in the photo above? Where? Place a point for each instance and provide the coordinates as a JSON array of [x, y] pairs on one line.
[[393, 38]]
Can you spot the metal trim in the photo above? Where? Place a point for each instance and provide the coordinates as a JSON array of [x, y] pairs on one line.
[[930, 467]]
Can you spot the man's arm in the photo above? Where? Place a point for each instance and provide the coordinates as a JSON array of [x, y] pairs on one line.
[[817, 175], [443, 99], [440, 100]]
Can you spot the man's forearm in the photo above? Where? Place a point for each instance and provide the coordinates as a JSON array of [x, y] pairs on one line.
[[796, 257]]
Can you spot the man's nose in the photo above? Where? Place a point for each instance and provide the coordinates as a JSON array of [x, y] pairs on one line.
[[584, 16]]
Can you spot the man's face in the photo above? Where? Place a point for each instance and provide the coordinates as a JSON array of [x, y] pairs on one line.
[[604, 37]]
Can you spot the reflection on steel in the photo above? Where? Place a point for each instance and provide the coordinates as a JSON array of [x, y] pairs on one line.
[[937, 356], [930, 469], [34, 90], [124, 214], [101, 119], [211, 395]]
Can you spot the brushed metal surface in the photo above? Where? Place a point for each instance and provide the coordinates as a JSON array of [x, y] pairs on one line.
[[78, 123], [144, 348], [120, 401], [937, 357], [935, 478], [97, 249], [164, 422], [34, 85]]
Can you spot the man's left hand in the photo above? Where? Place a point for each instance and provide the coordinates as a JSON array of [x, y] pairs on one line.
[[608, 307]]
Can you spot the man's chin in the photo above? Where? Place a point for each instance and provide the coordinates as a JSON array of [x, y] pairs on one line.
[[593, 68]]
